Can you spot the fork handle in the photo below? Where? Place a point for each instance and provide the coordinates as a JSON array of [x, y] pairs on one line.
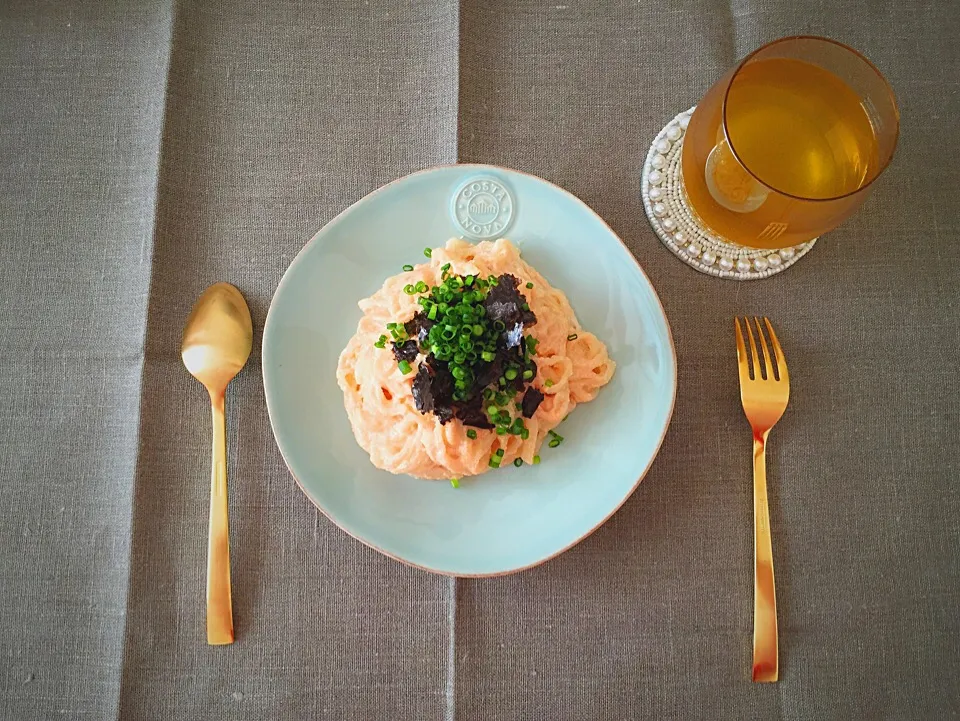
[[765, 654]]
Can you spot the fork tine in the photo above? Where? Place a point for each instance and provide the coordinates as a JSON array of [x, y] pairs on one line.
[[757, 361], [742, 363], [781, 360], [767, 358]]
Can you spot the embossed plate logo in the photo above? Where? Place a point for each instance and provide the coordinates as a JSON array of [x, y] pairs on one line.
[[482, 208]]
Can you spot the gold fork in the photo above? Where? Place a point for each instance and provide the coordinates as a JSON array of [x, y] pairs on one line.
[[764, 392]]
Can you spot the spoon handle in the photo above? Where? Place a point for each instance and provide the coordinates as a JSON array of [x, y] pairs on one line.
[[219, 604]]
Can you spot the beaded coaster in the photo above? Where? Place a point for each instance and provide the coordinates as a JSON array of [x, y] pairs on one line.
[[665, 201]]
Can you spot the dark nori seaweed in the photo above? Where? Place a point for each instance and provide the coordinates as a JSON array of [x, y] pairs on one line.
[[504, 302], [406, 351], [422, 391], [531, 401], [442, 389], [442, 386], [419, 327], [487, 373], [471, 413], [513, 356], [433, 390]]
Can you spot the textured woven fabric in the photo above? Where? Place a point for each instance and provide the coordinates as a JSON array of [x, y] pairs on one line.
[[148, 149]]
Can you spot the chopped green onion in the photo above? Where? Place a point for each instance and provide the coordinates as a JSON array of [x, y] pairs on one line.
[[408, 268], [462, 334], [517, 427], [572, 336], [380, 344], [455, 482], [525, 306], [492, 411], [553, 443], [518, 462], [501, 430], [471, 434], [428, 252], [548, 383], [494, 462], [527, 375], [555, 436], [529, 285], [536, 460], [525, 433], [404, 367], [499, 453]]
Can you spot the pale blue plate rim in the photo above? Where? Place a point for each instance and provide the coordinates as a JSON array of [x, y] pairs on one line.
[[345, 527]]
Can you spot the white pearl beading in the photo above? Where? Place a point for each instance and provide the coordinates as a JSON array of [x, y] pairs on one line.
[[665, 203]]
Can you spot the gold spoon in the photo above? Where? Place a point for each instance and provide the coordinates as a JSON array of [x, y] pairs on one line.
[[216, 344]]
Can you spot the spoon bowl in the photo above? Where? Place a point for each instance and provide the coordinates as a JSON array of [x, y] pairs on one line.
[[218, 336]]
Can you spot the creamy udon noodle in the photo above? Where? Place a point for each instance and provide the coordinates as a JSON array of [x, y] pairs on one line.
[[465, 363]]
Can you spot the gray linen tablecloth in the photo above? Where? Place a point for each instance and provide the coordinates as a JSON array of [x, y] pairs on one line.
[[148, 149]]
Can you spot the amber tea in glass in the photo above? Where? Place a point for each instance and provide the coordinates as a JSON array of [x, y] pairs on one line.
[[786, 145]]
